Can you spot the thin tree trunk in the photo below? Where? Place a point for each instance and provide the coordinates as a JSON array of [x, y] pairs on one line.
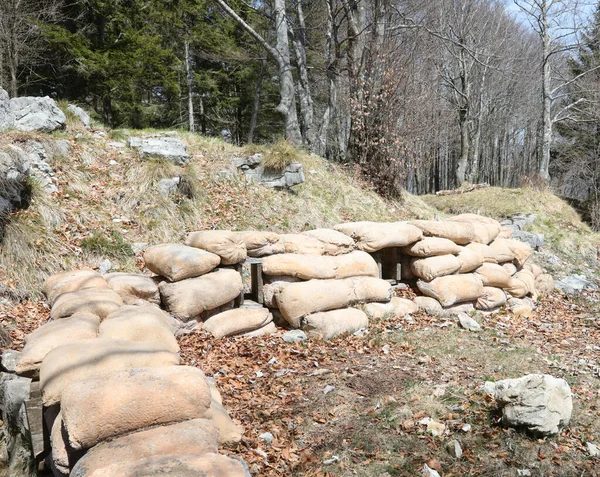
[[546, 96], [256, 104], [190, 85]]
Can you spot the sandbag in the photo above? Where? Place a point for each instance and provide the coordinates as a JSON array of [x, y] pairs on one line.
[[460, 233], [53, 334], [115, 403], [239, 320], [336, 243], [309, 267], [177, 262], [224, 243], [374, 236], [485, 229], [329, 324], [261, 244], [459, 308], [469, 259], [98, 301], [268, 329], [273, 287], [511, 268], [533, 268], [431, 247], [433, 267], [488, 254], [187, 299], [521, 284], [303, 244], [502, 252], [191, 465], [505, 232], [229, 431], [79, 360], [396, 308], [544, 284], [196, 436], [67, 282], [521, 307], [491, 299], [60, 448], [493, 275], [133, 285], [297, 300], [453, 288], [520, 250], [134, 323]]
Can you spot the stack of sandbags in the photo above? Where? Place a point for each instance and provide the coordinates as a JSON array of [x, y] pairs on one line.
[[316, 292]]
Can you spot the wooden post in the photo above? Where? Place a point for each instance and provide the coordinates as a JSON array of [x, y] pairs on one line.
[[377, 257], [257, 282], [239, 300]]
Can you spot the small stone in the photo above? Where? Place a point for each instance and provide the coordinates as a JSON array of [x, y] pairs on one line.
[[333, 460], [429, 472], [9, 360], [327, 389], [468, 323], [116, 144], [105, 266], [466, 428], [436, 429], [386, 349], [294, 336], [360, 333], [524, 472], [454, 449], [267, 437], [592, 449]]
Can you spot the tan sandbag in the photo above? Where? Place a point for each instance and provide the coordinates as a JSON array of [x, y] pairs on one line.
[[329, 324], [140, 324], [521, 284], [544, 284], [520, 250], [215, 394], [475, 218], [533, 268], [460, 233], [336, 243], [177, 262], [469, 260], [493, 275], [492, 298], [196, 436], [521, 307], [237, 321], [429, 305], [273, 287], [134, 285], [79, 360], [459, 308], [489, 255], [98, 301], [396, 308], [229, 431], [502, 251], [303, 244], [268, 329], [431, 247], [261, 244], [374, 236], [60, 448], [486, 229], [453, 288], [511, 268], [226, 244], [67, 282], [187, 299], [308, 267], [53, 334], [505, 232], [433, 267], [115, 403], [192, 465], [300, 299]]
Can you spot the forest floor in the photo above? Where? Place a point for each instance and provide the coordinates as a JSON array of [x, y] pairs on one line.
[[353, 406]]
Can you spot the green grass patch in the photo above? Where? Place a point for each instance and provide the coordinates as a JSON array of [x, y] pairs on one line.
[[110, 246]]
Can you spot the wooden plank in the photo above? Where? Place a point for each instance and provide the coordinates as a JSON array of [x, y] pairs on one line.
[[34, 410], [257, 282], [377, 257], [390, 264], [239, 300]]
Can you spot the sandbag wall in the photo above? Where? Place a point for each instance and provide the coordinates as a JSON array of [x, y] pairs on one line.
[[115, 397]]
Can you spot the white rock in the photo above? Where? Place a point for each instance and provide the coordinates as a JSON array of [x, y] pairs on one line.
[[454, 449], [327, 389], [80, 113], [429, 472], [294, 336], [468, 323], [592, 449], [267, 437]]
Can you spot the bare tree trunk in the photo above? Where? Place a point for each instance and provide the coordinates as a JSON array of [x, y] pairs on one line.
[[190, 85], [256, 104], [546, 109]]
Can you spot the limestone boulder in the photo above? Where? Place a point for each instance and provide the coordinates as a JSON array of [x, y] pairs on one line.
[[460, 233], [140, 323], [544, 284], [171, 149], [196, 436], [79, 360], [493, 275], [491, 299], [433, 267], [80, 113], [431, 247], [115, 403], [297, 300], [134, 285], [224, 243], [177, 262], [98, 301], [302, 244], [329, 324], [261, 244], [336, 243], [469, 260], [308, 267], [53, 334], [71, 281], [238, 321], [37, 114], [539, 403], [188, 299], [374, 236], [453, 288]]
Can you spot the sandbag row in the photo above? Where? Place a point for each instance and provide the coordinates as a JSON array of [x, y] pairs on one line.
[[115, 397]]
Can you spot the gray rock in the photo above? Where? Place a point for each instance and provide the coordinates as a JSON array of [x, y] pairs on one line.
[[117, 144], [63, 147], [9, 360], [574, 284], [39, 167], [14, 391], [267, 437], [105, 266], [169, 186], [6, 118], [592, 449], [539, 403], [169, 148], [429, 472], [37, 114], [535, 241], [454, 449], [294, 336], [517, 224], [81, 114], [255, 173], [249, 162], [468, 323]]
